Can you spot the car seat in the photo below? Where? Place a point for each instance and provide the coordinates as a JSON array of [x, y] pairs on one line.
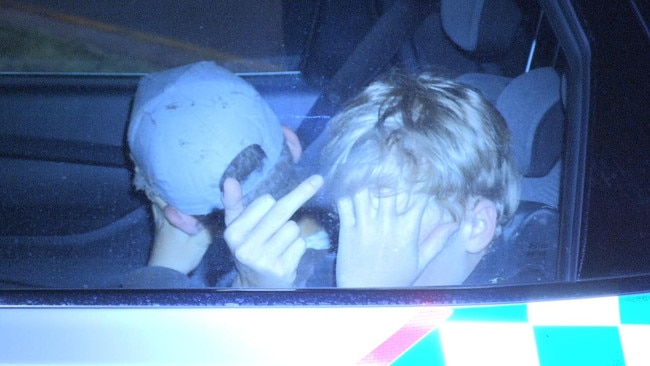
[[485, 35], [531, 104], [532, 107], [469, 36], [529, 101]]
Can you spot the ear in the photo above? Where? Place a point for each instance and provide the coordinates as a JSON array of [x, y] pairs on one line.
[[185, 223], [293, 143], [480, 228]]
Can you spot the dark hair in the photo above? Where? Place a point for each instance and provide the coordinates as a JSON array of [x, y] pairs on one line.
[[281, 179], [246, 162]]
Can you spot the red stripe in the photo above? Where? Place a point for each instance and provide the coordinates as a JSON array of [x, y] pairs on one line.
[[426, 320]]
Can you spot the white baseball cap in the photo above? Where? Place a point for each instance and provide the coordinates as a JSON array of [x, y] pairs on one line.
[[188, 124]]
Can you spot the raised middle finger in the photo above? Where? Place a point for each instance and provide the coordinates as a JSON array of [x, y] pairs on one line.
[[285, 207]]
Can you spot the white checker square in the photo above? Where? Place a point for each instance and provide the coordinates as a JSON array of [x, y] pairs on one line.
[[635, 340], [601, 311], [488, 343]]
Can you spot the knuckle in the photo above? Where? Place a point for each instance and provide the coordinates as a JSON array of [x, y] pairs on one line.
[[284, 273], [243, 254], [265, 200], [283, 210], [292, 228], [233, 236], [300, 243], [300, 246]]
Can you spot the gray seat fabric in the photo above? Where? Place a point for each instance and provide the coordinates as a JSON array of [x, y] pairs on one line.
[[491, 86], [484, 31], [483, 28], [530, 102], [532, 107]]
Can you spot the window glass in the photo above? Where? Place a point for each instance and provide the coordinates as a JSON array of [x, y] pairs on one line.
[[133, 36], [70, 72], [616, 220]]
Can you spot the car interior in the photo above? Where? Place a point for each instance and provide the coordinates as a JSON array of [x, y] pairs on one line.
[[72, 219]]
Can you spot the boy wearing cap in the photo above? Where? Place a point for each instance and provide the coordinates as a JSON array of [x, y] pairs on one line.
[[424, 182], [203, 139]]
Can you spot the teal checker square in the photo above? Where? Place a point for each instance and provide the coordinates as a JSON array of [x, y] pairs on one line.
[[427, 351], [504, 313], [635, 309], [579, 345]]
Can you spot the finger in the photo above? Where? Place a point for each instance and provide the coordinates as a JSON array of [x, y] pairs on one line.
[[301, 194], [292, 256], [232, 200], [243, 228], [284, 208], [364, 208], [387, 208], [345, 207], [434, 243], [289, 204], [413, 211], [411, 200], [282, 239]]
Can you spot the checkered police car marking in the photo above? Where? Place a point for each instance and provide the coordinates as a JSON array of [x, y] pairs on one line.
[[595, 331]]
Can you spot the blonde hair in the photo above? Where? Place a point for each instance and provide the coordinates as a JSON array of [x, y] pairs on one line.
[[426, 134]]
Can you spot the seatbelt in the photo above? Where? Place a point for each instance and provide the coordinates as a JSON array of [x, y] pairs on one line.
[[369, 58]]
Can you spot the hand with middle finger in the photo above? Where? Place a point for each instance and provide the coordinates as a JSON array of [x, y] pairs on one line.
[[265, 243]]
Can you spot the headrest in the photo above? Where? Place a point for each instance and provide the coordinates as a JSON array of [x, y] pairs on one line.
[[532, 107], [483, 28]]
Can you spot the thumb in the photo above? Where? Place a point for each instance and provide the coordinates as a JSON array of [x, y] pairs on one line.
[[434, 243], [232, 200]]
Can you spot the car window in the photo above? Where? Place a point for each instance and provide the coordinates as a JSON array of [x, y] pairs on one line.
[[39, 36], [78, 238], [616, 241], [70, 72]]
